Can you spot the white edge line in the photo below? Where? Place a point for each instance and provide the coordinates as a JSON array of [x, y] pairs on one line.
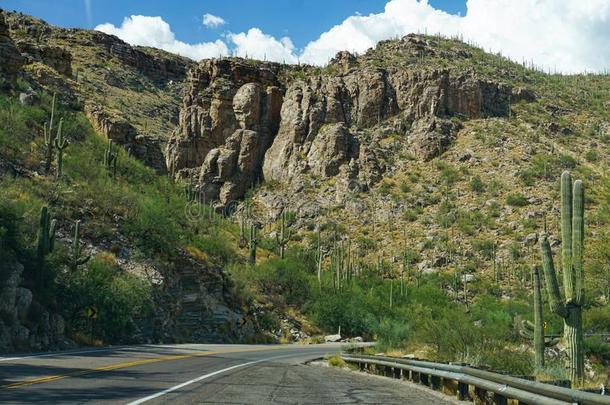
[[203, 377]]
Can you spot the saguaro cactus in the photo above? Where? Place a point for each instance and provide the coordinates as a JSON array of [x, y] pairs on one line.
[[46, 234], [253, 243], [76, 259], [572, 235], [49, 139], [284, 235], [111, 158], [60, 143], [538, 321]]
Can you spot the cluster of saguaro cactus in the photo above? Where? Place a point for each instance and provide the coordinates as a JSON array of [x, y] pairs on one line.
[[60, 144], [572, 238], [253, 243], [285, 233], [342, 263], [111, 158], [76, 258], [46, 234]]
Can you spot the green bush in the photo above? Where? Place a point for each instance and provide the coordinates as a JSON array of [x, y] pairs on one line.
[[516, 200], [392, 333], [477, 185], [121, 298]]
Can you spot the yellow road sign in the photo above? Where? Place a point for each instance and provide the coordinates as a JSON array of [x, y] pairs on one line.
[[91, 312]]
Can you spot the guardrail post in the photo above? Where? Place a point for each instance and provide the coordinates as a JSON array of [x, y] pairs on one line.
[[500, 399], [424, 379], [463, 393], [435, 382], [480, 395], [449, 386]]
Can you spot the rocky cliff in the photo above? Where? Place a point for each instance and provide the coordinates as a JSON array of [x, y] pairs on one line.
[[10, 58], [241, 122], [130, 94]]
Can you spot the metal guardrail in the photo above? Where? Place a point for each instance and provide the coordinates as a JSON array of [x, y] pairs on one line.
[[469, 383]]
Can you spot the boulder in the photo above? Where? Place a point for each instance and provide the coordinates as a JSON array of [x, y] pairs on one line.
[[431, 136]]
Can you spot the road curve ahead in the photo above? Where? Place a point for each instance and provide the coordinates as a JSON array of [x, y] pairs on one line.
[[201, 374]]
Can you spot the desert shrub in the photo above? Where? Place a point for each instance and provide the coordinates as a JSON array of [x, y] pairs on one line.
[[592, 155], [477, 185], [343, 309], [392, 333], [121, 298], [282, 278], [516, 200], [216, 247]]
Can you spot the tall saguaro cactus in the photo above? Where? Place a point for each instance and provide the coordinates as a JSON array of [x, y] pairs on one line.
[[572, 235], [284, 235], [538, 321], [111, 158], [46, 234], [253, 243], [49, 139], [76, 258], [61, 144]]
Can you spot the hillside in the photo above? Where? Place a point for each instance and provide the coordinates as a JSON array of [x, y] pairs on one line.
[[395, 194]]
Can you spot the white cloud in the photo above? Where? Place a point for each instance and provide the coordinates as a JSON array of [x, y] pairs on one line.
[[567, 35], [258, 45], [154, 32], [213, 21]]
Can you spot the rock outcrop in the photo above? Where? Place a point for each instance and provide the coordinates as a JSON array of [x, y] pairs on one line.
[[24, 323], [238, 118], [431, 136], [55, 57], [10, 58], [221, 97]]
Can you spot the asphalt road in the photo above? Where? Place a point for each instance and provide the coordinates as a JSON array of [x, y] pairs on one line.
[[196, 374]]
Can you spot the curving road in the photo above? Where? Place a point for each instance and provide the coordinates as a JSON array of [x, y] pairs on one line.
[[202, 374]]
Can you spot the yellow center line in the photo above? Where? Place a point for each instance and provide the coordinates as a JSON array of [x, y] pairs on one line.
[[118, 366]]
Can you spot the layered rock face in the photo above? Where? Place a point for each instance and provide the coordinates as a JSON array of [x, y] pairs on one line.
[[213, 108], [17, 304], [237, 119], [10, 58]]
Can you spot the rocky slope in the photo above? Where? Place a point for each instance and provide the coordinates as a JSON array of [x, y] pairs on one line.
[[393, 144], [130, 94]]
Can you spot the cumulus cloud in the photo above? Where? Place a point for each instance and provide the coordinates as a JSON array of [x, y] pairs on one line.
[[258, 45], [154, 32], [566, 35], [213, 21]]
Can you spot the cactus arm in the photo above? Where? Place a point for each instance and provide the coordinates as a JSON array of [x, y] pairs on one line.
[[578, 230], [566, 235], [550, 278]]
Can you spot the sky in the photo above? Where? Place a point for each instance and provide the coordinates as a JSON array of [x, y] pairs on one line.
[[561, 35]]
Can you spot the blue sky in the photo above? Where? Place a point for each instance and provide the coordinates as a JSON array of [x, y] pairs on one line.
[[558, 35], [301, 20]]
